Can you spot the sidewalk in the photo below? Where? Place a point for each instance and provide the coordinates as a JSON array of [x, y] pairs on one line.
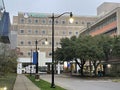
[[23, 83]]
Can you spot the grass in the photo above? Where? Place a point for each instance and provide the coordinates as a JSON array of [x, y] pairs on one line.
[[7, 81], [116, 80], [44, 85]]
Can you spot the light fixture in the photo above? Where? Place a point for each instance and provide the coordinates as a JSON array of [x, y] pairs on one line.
[[46, 42], [5, 88], [71, 20], [26, 15], [109, 65], [53, 17]]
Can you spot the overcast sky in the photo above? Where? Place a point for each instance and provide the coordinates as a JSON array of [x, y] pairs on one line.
[[78, 7]]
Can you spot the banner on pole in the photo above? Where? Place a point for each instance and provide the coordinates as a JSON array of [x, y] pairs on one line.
[[35, 57]]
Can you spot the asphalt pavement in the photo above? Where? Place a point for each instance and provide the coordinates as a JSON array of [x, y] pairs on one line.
[[75, 83]]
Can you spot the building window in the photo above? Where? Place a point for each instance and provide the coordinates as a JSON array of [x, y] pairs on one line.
[[56, 22], [70, 33], [36, 32], [43, 21], [29, 42], [50, 21], [22, 20], [76, 33], [76, 22], [29, 53], [50, 43], [64, 33], [88, 24], [22, 43], [63, 22], [29, 31], [36, 21], [43, 43], [43, 32], [21, 31], [29, 21]]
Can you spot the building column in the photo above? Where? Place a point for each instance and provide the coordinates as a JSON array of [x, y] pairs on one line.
[[118, 22], [19, 68], [58, 68]]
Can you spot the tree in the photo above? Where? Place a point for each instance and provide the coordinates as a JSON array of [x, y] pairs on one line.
[[67, 52], [86, 48], [106, 43], [8, 59], [74, 49], [83, 45], [116, 47], [97, 54]]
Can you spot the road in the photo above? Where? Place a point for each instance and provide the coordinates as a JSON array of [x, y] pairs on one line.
[[73, 83]]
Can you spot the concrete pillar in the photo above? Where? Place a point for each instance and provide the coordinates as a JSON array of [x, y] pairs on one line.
[[19, 68], [58, 68], [118, 22]]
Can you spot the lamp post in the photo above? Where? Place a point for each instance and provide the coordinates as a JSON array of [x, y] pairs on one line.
[[31, 64], [36, 43], [54, 17]]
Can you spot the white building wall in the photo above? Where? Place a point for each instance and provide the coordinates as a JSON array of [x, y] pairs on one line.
[[41, 62], [42, 59]]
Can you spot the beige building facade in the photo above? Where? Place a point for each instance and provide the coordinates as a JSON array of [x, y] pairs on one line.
[[37, 26]]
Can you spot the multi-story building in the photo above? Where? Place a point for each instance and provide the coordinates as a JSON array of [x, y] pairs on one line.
[[107, 23], [38, 26]]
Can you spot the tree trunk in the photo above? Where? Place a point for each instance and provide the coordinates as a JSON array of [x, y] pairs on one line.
[[95, 72], [105, 65], [77, 62], [80, 66], [95, 64], [90, 67], [81, 71]]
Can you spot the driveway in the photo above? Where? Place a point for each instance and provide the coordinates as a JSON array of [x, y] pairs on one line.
[[73, 83]]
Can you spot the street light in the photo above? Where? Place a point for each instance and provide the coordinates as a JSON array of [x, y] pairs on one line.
[[31, 64], [54, 17], [36, 43]]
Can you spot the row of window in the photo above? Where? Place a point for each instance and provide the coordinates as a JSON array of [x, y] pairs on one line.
[[23, 43], [104, 23], [42, 21], [111, 32], [29, 54], [44, 32], [45, 21]]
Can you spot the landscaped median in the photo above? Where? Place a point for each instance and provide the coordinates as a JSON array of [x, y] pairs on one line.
[[116, 80], [7, 81], [43, 85]]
